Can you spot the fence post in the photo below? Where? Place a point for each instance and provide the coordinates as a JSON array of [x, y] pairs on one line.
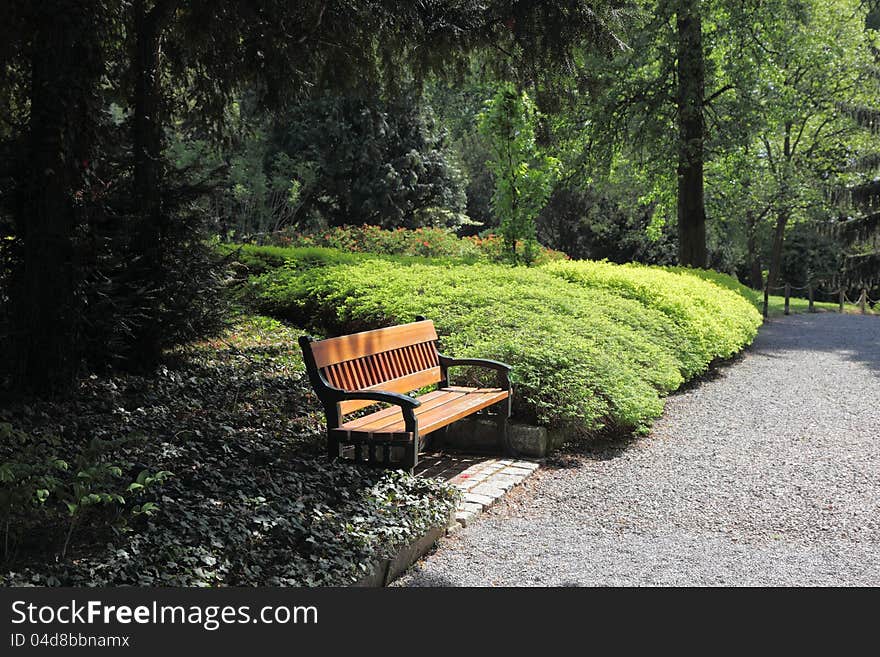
[[862, 300], [810, 295], [842, 297], [766, 298], [787, 296]]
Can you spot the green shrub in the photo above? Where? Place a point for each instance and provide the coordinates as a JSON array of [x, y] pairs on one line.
[[421, 242], [706, 322], [725, 281], [593, 345], [48, 488], [428, 242], [255, 260], [524, 177], [260, 259]]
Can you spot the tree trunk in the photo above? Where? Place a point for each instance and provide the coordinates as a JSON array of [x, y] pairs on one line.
[[783, 214], [778, 243], [46, 312], [148, 140], [691, 207], [756, 276]]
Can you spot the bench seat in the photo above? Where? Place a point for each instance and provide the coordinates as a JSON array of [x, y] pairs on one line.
[[438, 409]]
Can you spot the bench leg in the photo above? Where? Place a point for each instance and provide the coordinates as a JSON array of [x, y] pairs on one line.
[[504, 435], [334, 447], [503, 417], [411, 457]]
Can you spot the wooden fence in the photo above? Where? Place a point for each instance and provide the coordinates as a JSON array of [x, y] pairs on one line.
[[863, 301]]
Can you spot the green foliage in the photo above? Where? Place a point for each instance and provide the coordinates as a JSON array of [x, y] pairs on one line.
[[328, 161], [260, 259], [523, 177], [796, 73], [811, 256], [253, 192], [314, 523], [253, 500], [45, 484], [724, 281], [456, 104], [593, 345], [787, 83], [420, 242], [359, 160], [250, 260], [428, 242], [604, 222], [710, 321], [185, 296]]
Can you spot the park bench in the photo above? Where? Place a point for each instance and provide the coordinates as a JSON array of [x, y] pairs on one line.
[[352, 372]]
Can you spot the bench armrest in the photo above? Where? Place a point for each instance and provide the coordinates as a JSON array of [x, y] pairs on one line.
[[404, 401], [407, 404], [447, 361], [503, 369]]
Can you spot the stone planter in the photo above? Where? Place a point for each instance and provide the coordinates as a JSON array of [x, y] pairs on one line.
[[386, 571], [480, 435]]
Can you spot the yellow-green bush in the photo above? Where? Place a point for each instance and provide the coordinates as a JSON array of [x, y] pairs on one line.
[[593, 345], [706, 321], [426, 242]]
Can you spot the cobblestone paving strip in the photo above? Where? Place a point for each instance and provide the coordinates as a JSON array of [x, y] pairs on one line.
[[481, 480]]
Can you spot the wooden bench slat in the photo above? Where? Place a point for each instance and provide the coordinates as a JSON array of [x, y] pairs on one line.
[[410, 358], [420, 357], [349, 367], [429, 351], [471, 403], [370, 371], [387, 369], [371, 366], [367, 343], [436, 411], [390, 411], [363, 380], [380, 420], [339, 376], [402, 366]]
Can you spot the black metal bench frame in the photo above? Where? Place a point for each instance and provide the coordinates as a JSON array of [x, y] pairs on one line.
[[379, 448]]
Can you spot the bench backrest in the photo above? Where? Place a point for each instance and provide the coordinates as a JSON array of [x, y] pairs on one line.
[[397, 359]]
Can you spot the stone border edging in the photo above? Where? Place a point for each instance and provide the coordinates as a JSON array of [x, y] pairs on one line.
[[386, 571], [481, 485]]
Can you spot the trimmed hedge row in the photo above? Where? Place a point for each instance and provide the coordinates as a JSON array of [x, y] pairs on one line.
[[594, 346]]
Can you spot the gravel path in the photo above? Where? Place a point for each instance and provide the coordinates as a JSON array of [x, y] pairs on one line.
[[767, 473]]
